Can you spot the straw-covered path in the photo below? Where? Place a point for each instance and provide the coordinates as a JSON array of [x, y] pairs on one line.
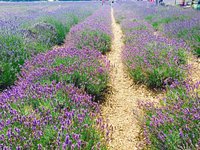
[[121, 103]]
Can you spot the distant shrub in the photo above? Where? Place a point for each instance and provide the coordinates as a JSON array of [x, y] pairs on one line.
[[156, 21], [12, 55], [71, 21], [192, 37], [119, 19], [39, 37], [62, 28], [59, 28]]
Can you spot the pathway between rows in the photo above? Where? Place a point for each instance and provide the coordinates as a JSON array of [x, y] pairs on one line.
[[121, 103]]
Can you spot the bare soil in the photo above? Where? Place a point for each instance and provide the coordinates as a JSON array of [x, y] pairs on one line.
[[194, 73]]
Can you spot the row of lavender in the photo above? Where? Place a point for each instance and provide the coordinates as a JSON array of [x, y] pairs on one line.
[[179, 23], [151, 58], [161, 62], [174, 22], [51, 106], [27, 29]]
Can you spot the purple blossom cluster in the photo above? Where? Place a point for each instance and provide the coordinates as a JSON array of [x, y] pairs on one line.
[[53, 116], [151, 58], [176, 123], [94, 32], [86, 69], [51, 105]]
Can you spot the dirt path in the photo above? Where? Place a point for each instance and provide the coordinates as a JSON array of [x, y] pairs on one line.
[[194, 72], [121, 103]]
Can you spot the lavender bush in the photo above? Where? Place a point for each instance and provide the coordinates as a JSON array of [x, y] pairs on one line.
[[93, 33], [192, 37], [156, 64], [94, 40], [86, 69], [186, 29], [12, 54], [178, 23], [175, 124]]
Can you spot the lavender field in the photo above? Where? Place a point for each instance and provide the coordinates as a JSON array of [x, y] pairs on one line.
[[117, 75]]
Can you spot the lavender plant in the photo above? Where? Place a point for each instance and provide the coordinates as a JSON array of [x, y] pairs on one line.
[[156, 63], [192, 37], [86, 69], [176, 123], [93, 33], [95, 40], [12, 55]]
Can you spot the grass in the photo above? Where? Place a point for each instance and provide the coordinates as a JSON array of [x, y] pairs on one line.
[[139, 27], [150, 18]]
